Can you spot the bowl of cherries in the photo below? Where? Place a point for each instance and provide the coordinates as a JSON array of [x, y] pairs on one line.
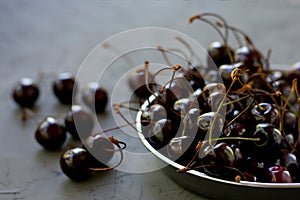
[[236, 133]]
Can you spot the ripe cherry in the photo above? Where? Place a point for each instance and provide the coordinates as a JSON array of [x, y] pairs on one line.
[[50, 134], [79, 122], [95, 97], [64, 88], [280, 175], [219, 54], [266, 113], [100, 149], [137, 82], [74, 163], [26, 92], [267, 149]]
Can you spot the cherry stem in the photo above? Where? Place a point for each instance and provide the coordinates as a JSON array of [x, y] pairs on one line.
[[239, 115], [200, 17], [27, 113], [118, 52], [118, 111], [190, 49], [235, 77], [163, 52]]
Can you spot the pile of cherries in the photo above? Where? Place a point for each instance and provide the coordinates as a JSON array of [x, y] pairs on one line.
[[239, 122], [95, 150]]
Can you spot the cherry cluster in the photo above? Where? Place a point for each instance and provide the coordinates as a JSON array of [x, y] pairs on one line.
[[94, 150], [240, 121]]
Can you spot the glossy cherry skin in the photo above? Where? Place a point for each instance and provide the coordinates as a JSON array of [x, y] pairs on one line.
[[26, 92], [266, 113], [50, 134], [74, 164], [161, 133], [79, 123], [280, 175], [205, 126], [101, 150], [181, 149], [195, 78], [64, 88], [249, 57], [137, 82], [95, 97], [219, 54], [268, 148]]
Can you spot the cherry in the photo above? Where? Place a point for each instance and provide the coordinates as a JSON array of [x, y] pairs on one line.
[[267, 149], [79, 122], [219, 54], [249, 57], [290, 121], [95, 97], [64, 88], [184, 105], [74, 164], [221, 154], [163, 131], [50, 134], [26, 92], [137, 82], [101, 150], [157, 112], [206, 128], [266, 113], [193, 75], [280, 174]]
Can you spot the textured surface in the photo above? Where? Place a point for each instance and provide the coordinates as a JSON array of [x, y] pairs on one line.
[[55, 36]]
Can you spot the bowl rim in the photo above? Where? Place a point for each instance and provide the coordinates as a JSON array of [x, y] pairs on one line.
[[200, 174]]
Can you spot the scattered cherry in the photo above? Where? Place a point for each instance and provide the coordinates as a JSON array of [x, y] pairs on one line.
[[26, 92], [65, 88], [95, 97], [74, 163], [50, 134], [79, 123]]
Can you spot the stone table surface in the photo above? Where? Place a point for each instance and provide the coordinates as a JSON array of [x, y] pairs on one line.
[[56, 36]]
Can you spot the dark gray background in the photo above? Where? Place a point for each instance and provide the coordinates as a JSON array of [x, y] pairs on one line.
[[55, 36]]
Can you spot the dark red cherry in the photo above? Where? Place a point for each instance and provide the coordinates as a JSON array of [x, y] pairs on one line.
[[162, 132], [137, 82], [181, 149], [79, 123], [64, 88], [280, 175], [290, 121], [288, 159], [25, 93], [50, 134], [206, 126], [268, 148], [221, 154], [74, 164], [95, 97], [100, 149], [266, 113], [250, 58], [184, 105], [193, 75], [219, 54]]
